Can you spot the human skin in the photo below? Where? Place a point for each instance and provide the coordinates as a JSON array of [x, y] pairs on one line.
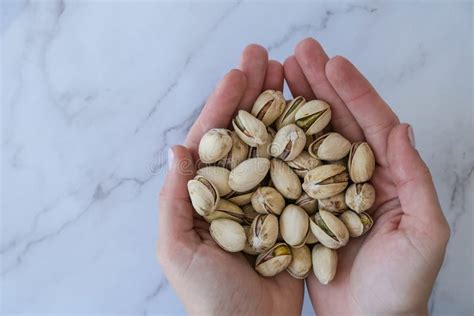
[[389, 271]]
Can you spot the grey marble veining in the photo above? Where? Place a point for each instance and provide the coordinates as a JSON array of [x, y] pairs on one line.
[[94, 93]]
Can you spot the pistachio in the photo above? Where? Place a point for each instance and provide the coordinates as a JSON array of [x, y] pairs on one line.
[[335, 204], [330, 146], [357, 223], [313, 116], [294, 225], [219, 177], [263, 232], [303, 163], [311, 239], [263, 151], [324, 263], [329, 230], [204, 195], [300, 264], [250, 129], [361, 162], [241, 199], [284, 179], [360, 196], [288, 115], [325, 181], [274, 260], [267, 200], [288, 143], [236, 155], [248, 248], [248, 174], [269, 106], [226, 209], [215, 145], [307, 203], [249, 213], [228, 234]]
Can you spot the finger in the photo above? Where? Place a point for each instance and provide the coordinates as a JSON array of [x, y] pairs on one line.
[[219, 108], [273, 76], [412, 177], [296, 80], [253, 64], [312, 59], [371, 112], [175, 216]]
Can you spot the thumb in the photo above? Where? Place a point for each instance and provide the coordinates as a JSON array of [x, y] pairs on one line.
[[412, 177]]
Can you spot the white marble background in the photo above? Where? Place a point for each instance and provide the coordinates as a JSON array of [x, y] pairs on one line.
[[94, 92]]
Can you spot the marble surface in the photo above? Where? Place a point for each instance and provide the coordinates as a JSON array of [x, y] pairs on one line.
[[94, 92]]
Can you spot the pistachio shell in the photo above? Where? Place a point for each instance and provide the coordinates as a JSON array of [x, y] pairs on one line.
[[307, 203], [263, 232], [268, 106], [228, 234], [226, 209], [357, 224], [267, 200], [330, 146], [313, 116], [303, 163], [263, 151], [324, 263], [249, 213], [288, 143], [204, 195], [248, 248], [218, 176], [335, 204], [248, 174], [361, 162], [329, 230], [288, 115], [360, 196], [274, 260], [284, 179], [250, 129], [241, 199], [236, 155], [311, 239], [294, 225], [325, 181], [300, 264], [215, 145]]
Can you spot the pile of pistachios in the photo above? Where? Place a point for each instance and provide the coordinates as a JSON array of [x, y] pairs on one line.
[[282, 182]]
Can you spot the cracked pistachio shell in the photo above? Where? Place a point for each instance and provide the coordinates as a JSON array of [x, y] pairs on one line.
[[294, 225], [288, 143], [248, 174], [241, 199], [228, 234], [236, 155], [203, 194], [324, 263], [335, 204], [215, 145], [284, 179], [330, 146], [219, 177], [248, 248], [274, 260], [300, 265], [360, 196], [311, 239], [226, 209], [288, 115], [357, 223], [267, 200], [263, 232], [269, 106], [313, 116], [329, 230], [361, 162], [250, 129], [249, 213], [263, 151], [325, 181], [307, 203], [303, 163]]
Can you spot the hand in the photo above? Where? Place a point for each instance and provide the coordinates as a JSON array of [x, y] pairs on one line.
[[206, 278], [392, 269]]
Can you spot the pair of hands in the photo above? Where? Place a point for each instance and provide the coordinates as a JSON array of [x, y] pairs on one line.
[[389, 271]]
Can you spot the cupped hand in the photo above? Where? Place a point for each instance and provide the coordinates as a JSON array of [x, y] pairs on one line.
[[392, 269], [207, 279]]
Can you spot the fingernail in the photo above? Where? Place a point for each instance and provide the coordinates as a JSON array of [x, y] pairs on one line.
[[170, 158], [411, 136]]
